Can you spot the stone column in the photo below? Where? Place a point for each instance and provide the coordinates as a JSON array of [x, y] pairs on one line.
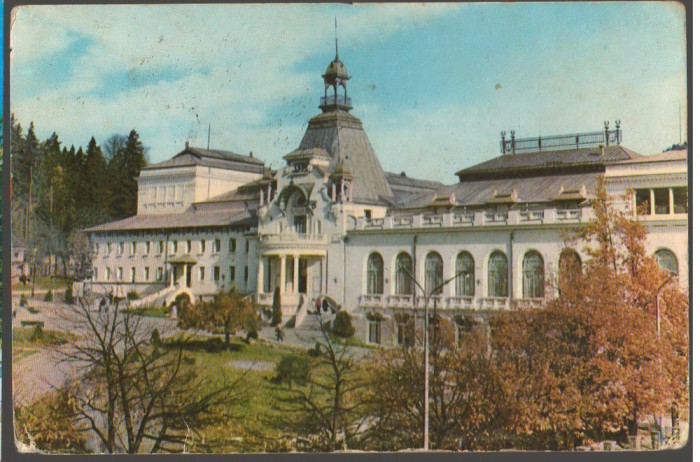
[[652, 202], [333, 192], [295, 288], [671, 205], [261, 270], [283, 275], [172, 275]]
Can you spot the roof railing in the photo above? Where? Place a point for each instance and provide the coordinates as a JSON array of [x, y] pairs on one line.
[[548, 143]]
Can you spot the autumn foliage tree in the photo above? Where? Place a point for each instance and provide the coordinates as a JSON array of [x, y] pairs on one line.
[[227, 312]]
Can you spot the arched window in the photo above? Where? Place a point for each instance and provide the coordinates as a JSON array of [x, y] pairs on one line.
[[465, 281], [667, 260], [533, 275], [404, 284], [498, 275], [570, 268], [433, 272], [375, 274]]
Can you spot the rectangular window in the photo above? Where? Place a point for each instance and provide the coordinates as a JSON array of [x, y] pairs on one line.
[[160, 247], [132, 274], [247, 246], [216, 273], [232, 245], [120, 273], [146, 274], [404, 333], [217, 245], [245, 276], [374, 331], [108, 274], [643, 201], [202, 246], [201, 273], [148, 247], [159, 273], [232, 273], [132, 250], [368, 213], [109, 248], [173, 247], [300, 224], [680, 200], [189, 246], [120, 250], [661, 201]]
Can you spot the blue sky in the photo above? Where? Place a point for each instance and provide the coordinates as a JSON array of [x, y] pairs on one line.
[[434, 84]]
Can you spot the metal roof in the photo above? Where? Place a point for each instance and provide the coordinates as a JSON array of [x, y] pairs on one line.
[[215, 158], [191, 218], [527, 190], [533, 162], [341, 135]]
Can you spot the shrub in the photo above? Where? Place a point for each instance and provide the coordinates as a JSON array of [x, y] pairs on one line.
[[49, 296], [293, 369], [276, 307], [252, 335], [315, 351], [342, 325], [132, 295], [155, 337], [68, 295], [23, 301], [37, 333]]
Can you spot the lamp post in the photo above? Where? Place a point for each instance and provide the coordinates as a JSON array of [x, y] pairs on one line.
[[658, 336], [426, 349]]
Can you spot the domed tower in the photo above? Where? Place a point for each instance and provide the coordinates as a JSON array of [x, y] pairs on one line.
[[336, 75]]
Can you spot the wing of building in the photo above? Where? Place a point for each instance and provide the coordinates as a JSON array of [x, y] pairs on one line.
[[332, 224]]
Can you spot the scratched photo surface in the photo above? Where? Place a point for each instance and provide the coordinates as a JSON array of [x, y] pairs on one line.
[[328, 228]]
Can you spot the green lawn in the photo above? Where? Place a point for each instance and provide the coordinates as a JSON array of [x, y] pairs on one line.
[[153, 312], [28, 340], [43, 283]]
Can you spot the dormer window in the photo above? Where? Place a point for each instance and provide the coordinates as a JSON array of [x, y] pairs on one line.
[[300, 166]]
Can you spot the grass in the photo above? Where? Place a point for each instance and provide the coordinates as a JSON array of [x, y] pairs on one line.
[[150, 312], [29, 340], [43, 283]]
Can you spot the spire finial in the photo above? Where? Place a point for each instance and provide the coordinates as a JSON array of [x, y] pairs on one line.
[[336, 38]]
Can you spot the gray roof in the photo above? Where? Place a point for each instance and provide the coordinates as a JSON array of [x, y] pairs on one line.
[[342, 136], [191, 218], [404, 186], [532, 163], [666, 156], [214, 158], [527, 190]]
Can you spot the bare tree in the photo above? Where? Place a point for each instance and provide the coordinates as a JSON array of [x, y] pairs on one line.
[[135, 394]]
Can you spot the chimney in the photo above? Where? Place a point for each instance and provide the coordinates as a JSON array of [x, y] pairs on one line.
[[601, 150]]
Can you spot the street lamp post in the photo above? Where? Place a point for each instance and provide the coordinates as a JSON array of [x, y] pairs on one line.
[[426, 348]]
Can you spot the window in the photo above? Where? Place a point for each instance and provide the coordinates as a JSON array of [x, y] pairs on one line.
[[94, 274], [173, 247], [464, 327], [201, 273], [643, 201], [108, 274], [405, 332], [189, 246], [217, 245], [132, 274], [202, 246], [148, 247], [216, 273], [667, 260], [375, 274], [368, 213], [159, 273], [245, 276], [120, 249], [109, 247], [247, 246], [374, 331], [232, 273], [498, 275], [433, 272], [404, 268], [132, 249], [300, 224], [662, 201], [120, 273], [465, 282], [160, 247], [533, 275], [232, 245], [570, 267], [680, 200], [146, 274]]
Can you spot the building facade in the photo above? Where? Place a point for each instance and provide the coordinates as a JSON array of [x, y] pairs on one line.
[[332, 224]]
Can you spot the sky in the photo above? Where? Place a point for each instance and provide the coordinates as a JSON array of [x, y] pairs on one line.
[[434, 84]]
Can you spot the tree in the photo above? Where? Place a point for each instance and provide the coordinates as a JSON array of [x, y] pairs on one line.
[[293, 369], [134, 396], [123, 168], [228, 311], [325, 412]]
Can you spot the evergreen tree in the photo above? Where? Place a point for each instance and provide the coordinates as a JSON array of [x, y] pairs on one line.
[[123, 170]]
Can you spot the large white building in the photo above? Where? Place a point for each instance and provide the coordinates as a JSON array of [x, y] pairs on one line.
[[334, 224]]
